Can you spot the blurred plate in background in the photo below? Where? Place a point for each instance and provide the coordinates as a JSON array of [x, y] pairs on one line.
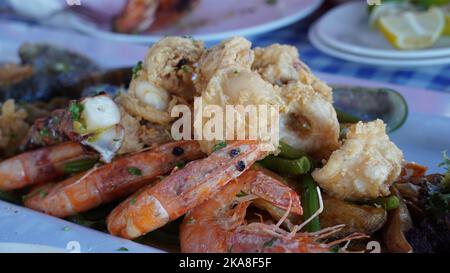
[[215, 20]]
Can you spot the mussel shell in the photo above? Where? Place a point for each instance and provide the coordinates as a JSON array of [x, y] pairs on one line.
[[371, 103]]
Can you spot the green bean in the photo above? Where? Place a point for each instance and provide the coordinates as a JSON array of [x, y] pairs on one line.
[[80, 165], [388, 203], [344, 117], [284, 166], [289, 152], [310, 202]]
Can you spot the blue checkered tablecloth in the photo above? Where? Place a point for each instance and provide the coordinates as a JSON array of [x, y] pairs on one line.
[[431, 77]]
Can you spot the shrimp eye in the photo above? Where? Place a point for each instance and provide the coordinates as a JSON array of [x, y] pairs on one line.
[[240, 166], [177, 151]]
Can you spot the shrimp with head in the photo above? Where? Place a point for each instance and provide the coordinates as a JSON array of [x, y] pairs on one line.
[[184, 189], [219, 224], [364, 167], [106, 183]]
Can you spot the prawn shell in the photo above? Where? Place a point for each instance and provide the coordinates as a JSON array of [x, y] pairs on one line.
[[38, 166], [183, 190], [111, 181]]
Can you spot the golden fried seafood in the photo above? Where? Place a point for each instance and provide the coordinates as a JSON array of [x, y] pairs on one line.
[[169, 65], [39, 166], [233, 53], [229, 74], [280, 65], [310, 122], [184, 189], [163, 80], [364, 167], [109, 182]]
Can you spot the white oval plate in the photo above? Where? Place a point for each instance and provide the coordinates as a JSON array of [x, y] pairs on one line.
[[346, 28], [215, 20], [364, 59]]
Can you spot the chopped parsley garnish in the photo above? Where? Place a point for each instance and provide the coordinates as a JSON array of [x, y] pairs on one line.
[[133, 200], [134, 171], [191, 221], [185, 68], [270, 242], [122, 249], [241, 194], [335, 249], [66, 229], [136, 69], [219, 146], [44, 132], [42, 193], [180, 165], [76, 109]]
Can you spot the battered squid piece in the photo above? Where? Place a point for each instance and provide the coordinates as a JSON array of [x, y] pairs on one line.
[[245, 88], [364, 167], [184, 189], [233, 53], [280, 65], [109, 182], [309, 122], [169, 65], [163, 80]]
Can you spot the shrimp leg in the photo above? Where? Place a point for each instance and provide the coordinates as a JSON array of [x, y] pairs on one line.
[[118, 179]]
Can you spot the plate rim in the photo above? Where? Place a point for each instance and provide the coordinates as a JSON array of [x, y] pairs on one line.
[[376, 53], [249, 31], [391, 62]]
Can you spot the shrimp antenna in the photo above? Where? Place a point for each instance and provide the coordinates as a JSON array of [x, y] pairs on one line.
[[286, 214], [317, 213]]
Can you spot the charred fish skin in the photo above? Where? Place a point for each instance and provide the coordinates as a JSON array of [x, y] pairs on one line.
[[56, 71]]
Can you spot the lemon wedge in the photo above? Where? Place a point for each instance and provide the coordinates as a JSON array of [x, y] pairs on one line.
[[413, 29], [388, 8]]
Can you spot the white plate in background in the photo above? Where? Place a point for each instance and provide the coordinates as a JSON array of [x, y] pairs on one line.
[[346, 28], [323, 46], [215, 20]]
